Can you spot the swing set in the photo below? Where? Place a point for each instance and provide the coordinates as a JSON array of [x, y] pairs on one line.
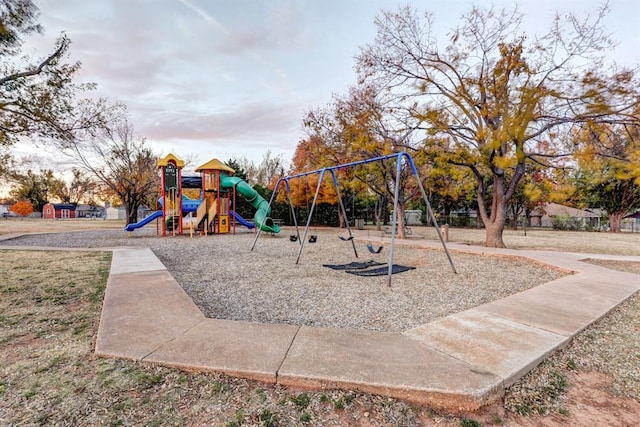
[[401, 158]]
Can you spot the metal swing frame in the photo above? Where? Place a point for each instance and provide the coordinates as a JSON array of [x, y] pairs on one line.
[[399, 157]]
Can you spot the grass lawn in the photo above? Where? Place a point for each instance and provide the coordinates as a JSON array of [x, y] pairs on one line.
[[50, 306], [37, 225]]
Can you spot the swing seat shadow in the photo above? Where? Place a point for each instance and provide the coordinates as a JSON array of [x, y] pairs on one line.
[[381, 271], [353, 265]]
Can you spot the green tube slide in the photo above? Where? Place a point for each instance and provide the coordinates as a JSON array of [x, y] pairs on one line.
[[263, 210]]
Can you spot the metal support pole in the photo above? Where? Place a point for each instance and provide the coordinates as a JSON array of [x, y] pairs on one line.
[[434, 221], [313, 205], [321, 172], [293, 211], [394, 218], [344, 212]]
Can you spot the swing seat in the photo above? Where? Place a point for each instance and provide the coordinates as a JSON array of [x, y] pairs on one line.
[[313, 238], [293, 238], [344, 239], [373, 250]]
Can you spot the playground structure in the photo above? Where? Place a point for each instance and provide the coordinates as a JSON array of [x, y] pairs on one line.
[[401, 159], [211, 212]]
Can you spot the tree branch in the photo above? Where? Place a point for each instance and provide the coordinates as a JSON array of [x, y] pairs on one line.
[[64, 44]]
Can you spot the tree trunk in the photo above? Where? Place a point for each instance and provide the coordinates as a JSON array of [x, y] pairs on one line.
[[447, 213], [494, 225], [514, 214], [614, 221], [527, 214], [493, 221], [131, 214], [400, 225], [131, 205], [493, 235], [379, 211], [341, 219]]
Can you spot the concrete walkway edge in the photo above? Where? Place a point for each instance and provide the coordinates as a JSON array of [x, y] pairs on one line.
[[459, 362]]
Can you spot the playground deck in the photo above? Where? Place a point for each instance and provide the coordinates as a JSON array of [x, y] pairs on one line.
[[459, 362]]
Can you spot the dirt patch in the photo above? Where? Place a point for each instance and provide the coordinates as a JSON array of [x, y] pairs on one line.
[[590, 398], [628, 266], [589, 401]]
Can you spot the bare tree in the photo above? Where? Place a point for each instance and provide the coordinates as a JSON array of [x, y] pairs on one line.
[[80, 188], [249, 168], [269, 167], [122, 163]]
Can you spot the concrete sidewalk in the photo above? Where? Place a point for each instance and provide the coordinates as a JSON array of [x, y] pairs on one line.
[[459, 362]]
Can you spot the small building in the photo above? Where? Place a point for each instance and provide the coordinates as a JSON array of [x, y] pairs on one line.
[[413, 217], [463, 217], [119, 213], [631, 222], [89, 211], [562, 217], [113, 213], [58, 211]]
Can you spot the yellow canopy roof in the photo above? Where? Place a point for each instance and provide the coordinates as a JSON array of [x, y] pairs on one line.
[[163, 162], [215, 164]]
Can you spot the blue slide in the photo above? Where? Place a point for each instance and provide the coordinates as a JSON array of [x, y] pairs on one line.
[[242, 221], [143, 222]]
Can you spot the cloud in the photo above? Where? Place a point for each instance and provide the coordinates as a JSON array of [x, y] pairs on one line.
[[178, 50], [204, 15], [250, 122], [252, 28]]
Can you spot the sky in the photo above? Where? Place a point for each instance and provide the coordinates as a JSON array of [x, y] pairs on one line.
[[231, 78]]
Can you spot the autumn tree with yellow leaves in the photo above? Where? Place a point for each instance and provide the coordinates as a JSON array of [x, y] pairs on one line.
[[486, 100], [608, 173], [362, 125]]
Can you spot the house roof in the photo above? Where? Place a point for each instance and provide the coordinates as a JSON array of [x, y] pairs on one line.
[[58, 206], [555, 209], [86, 207]]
